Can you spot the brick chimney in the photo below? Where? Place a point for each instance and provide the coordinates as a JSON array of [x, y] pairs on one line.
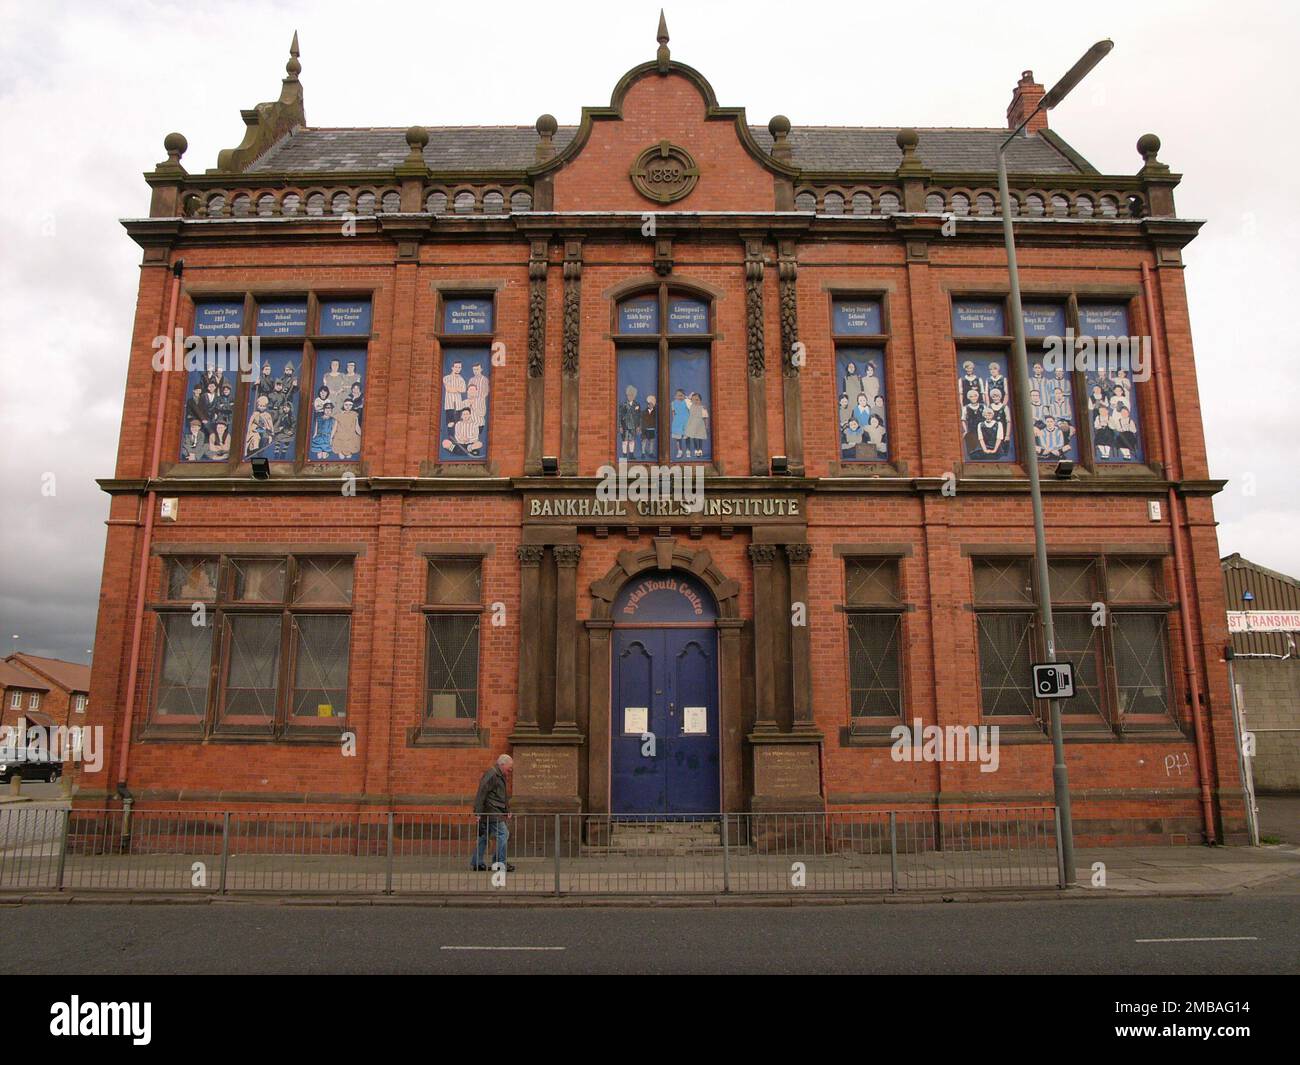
[[1024, 98]]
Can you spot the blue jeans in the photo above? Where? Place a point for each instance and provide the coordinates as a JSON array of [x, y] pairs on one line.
[[495, 826]]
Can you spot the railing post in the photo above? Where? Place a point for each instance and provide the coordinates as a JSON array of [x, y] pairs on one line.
[[557, 855], [893, 852], [1060, 852], [726, 858], [225, 849], [388, 870], [63, 847]]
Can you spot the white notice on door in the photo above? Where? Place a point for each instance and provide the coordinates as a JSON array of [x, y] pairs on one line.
[[636, 720], [695, 720]]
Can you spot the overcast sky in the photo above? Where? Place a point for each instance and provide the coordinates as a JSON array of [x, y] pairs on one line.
[[88, 91]]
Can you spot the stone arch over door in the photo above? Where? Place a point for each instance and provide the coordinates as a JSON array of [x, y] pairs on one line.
[[665, 554]]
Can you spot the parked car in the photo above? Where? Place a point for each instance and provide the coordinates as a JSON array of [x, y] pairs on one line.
[[29, 763]]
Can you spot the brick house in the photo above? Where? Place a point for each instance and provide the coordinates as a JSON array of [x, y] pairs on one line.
[[394, 552], [43, 691]]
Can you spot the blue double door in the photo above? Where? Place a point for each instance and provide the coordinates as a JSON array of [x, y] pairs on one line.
[[664, 722]]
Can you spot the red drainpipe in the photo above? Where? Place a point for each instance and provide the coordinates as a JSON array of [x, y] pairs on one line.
[[150, 505], [1177, 518]]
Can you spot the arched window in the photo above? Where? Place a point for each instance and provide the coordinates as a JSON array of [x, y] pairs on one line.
[[663, 407]]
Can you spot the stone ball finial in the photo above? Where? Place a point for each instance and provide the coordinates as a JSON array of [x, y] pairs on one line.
[[417, 137], [176, 146], [907, 139], [779, 126], [1148, 146], [546, 126]]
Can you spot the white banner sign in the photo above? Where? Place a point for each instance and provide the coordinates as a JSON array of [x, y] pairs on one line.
[[1264, 620]]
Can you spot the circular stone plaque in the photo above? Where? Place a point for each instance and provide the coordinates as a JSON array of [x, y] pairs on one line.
[[664, 173]]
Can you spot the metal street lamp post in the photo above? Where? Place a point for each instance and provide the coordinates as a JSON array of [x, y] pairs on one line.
[[1024, 414]]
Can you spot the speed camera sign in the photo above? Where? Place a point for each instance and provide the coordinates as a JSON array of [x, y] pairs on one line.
[[1054, 680]]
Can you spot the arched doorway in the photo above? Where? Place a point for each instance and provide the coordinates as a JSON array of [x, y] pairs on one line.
[[664, 727]]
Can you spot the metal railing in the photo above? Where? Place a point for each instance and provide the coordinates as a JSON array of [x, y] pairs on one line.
[[291, 852]]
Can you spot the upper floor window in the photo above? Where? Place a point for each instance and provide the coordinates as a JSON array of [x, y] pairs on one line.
[[304, 396], [664, 349], [1112, 394], [34, 701], [858, 330], [16, 700], [1108, 431], [79, 704], [466, 336]]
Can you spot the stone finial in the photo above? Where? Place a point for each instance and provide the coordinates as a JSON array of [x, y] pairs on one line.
[[416, 138], [176, 145], [1148, 147], [779, 127], [293, 68], [546, 127], [907, 140], [662, 56]]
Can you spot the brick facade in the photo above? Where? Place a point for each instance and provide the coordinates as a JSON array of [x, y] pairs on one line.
[[407, 505]]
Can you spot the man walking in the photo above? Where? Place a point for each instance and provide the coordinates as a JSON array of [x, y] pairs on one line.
[[492, 804]]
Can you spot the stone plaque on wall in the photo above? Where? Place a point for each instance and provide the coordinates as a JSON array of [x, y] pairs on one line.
[[546, 772], [786, 770]]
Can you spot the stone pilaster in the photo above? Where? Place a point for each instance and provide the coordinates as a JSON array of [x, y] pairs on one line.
[[762, 556], [535, 398], [566, 638], [530, 621], [570, 361], [788, 273], [756, 357], [800, 637]]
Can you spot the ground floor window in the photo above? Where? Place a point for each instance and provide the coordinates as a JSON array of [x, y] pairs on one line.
[[452, 609], [254, 645]]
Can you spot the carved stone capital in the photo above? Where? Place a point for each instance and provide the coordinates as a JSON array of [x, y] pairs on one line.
[[567, 554], [798, 553], [762, 554], [529, 554]]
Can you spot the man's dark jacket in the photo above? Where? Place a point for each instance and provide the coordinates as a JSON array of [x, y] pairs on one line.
[[491, 797]]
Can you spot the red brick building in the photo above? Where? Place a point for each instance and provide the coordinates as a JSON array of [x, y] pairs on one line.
[[43, 691], [389, 556]]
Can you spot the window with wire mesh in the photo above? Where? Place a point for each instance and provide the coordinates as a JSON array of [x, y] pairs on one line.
[[321, 645], [1134, 580], [873, 612], [252, 649], [1080, 641], [453, 598], [184, 667], [1004, 635], [192, 580], [1141, 653]]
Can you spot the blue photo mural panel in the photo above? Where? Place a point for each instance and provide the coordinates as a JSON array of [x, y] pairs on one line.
[[1051, 399], [690, 384], [338, 405], [274, 403], [465, 410], [207, 422], [686, 315], [861, 402], [1112, 395], [854, 317], [637, 414], [985, 397], [282, 318], [344, 318]]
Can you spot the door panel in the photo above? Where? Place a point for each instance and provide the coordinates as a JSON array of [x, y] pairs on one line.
[[636, 780], [665, 683], [692, 784]]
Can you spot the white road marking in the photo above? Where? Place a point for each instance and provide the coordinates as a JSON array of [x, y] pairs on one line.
[[1203, 939], [501, 948]]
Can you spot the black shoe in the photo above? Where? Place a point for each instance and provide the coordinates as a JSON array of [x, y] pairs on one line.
[[509, 868], [479, 868]]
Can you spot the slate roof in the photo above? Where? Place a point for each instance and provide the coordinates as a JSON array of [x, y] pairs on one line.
[[850, 148]]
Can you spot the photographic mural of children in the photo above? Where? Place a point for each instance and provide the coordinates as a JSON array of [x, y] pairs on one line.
[[650, 429], [1112, 409], [465, 405], [209, 399], [861, 406], [983, 393], [629, 424], [194, 444], [346, 441], [261, 429], [681, 411], [697, 430], [219, 440], [322, 437]]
